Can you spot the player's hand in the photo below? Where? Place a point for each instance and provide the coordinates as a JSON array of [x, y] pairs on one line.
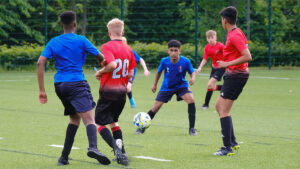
[[103, 63], [192, 81], [146, 73], [98, 75], [42, 97], [198, 70], [222, 64], [153, 88]]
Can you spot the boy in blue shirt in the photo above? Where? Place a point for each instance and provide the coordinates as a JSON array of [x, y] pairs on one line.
[[70, 51], [175, 68]]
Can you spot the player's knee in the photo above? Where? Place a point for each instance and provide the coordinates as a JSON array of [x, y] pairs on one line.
[[128, 89], [210, 86], [112, 125], [75, 122], [191, 101]]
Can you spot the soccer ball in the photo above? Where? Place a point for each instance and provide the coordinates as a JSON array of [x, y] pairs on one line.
[[141, 120]]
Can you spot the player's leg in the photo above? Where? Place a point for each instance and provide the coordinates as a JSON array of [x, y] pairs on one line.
[[117, 134], [189, 99], [211, 85], [152, 112], [129, 93], [69, 139], [223, 107], [118, 145], [157, 105], [91, 130], [61, 90]]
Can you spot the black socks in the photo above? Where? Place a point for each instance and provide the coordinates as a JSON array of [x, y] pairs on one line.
[[106, 135], [91, 131], [151, 114], [129, 95], [192, 114], [208, 96], [69, 140], [226, 129]]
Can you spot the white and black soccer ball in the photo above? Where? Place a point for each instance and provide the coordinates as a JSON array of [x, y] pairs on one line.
[[141, 120]]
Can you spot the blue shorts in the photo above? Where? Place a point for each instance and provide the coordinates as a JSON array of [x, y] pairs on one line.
[[165, 96], [75, 96], [130, 80]]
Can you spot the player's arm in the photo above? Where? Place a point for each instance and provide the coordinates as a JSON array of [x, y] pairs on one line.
[[192, 79], [143, 64], [111, 66], [40, 76], [203, 62], [246, 57], [100, 59], [130, 73], [154, 87]]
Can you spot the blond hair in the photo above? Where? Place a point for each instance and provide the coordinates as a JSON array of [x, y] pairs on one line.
[[211, 33], [116, 26]]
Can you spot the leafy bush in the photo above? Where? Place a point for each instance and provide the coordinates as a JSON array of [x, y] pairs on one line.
[[284, 54]]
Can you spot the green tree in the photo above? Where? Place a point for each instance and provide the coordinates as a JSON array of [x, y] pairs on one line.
[[13, 28]]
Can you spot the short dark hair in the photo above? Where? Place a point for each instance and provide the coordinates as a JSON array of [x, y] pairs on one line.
[[230, 13], [67, 17], [174, 43]]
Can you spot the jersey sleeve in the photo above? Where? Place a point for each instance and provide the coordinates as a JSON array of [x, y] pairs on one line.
[[190, 67], [136, 56], [90, 48], [107, 52], [161, 66], [238, 42], [48, 52], [205, 56]]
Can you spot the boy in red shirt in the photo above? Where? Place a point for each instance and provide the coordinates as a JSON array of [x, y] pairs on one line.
[[120, 63], [214, 50], [236, 56]]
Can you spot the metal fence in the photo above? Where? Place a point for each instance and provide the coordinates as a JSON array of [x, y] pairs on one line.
[[148, 21]]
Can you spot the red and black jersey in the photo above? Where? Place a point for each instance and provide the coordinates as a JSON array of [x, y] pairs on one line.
[[214, 52], [114, 83], [236, 43]]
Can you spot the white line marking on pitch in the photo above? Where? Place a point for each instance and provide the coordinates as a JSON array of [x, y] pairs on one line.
[[21, 80], [152, 158], [1, 138], [61, 146]]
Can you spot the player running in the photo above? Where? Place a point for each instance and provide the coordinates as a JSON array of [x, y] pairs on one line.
[[214, 50], [236, 56], [175, 68], [140, 60], [113, 78], [70, 51]]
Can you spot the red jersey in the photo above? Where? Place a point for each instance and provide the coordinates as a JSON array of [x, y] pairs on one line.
[[236, 43], [214, 52], [116, 81]]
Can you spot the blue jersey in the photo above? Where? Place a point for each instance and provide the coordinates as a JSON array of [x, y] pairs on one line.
[[70, 51], [174, 75], [137, 59]]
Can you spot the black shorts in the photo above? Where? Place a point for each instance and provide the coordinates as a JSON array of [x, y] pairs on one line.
[[232, 87], [217, 73], [75, 96], [165, 96], [108, 111]]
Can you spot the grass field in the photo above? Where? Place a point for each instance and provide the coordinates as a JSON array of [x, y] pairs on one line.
[[266, 119]]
